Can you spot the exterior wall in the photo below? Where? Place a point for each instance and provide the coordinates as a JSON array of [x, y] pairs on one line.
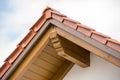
[[99, 70]]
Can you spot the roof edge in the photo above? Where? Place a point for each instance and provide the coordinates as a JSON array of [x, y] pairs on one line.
[[50, 13]]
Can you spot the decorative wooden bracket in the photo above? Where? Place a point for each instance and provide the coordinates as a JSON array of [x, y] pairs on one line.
[[70, 51]]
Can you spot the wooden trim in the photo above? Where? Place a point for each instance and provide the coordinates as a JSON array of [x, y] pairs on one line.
[[89, 47], [64, 52], [64, 69], [42, 42]]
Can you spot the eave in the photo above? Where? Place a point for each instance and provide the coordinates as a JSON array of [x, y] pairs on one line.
[[79, 34]]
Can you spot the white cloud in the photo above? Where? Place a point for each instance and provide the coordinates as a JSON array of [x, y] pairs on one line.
[[103, 15]]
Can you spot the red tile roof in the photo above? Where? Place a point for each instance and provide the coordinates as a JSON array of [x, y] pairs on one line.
[[50, 13]]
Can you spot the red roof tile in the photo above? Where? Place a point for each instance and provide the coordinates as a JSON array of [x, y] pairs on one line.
[[113, 44], [58, 17], [14, 54], [54, 14], [72, 23], [27, 39], [4, 68], [85, 30], [99, 37]]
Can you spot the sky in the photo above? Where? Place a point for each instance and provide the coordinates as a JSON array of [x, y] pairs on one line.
[[17, 16]]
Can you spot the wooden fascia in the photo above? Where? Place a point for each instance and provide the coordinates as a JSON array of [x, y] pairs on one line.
[[63, 51]]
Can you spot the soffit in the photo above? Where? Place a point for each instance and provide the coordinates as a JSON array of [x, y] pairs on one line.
[[45, 66]]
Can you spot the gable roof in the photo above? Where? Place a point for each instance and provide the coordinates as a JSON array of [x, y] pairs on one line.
[[55, 16]]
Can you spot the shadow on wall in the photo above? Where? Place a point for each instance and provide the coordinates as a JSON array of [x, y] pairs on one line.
[[98, 70]]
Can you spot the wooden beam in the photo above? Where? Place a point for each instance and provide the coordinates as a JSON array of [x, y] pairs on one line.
[[64, 69], [73, 53], [114, 60]]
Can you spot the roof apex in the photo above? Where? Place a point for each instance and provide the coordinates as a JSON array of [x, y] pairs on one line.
[[50, 13]]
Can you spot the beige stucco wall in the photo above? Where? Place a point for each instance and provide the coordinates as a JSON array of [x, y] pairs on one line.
[[99, 70]]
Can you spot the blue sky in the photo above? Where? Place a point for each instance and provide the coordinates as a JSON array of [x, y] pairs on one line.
[[17, 16], [4, 6]]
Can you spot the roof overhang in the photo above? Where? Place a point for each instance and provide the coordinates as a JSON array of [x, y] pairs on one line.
[[72, 35], [69, 30]]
